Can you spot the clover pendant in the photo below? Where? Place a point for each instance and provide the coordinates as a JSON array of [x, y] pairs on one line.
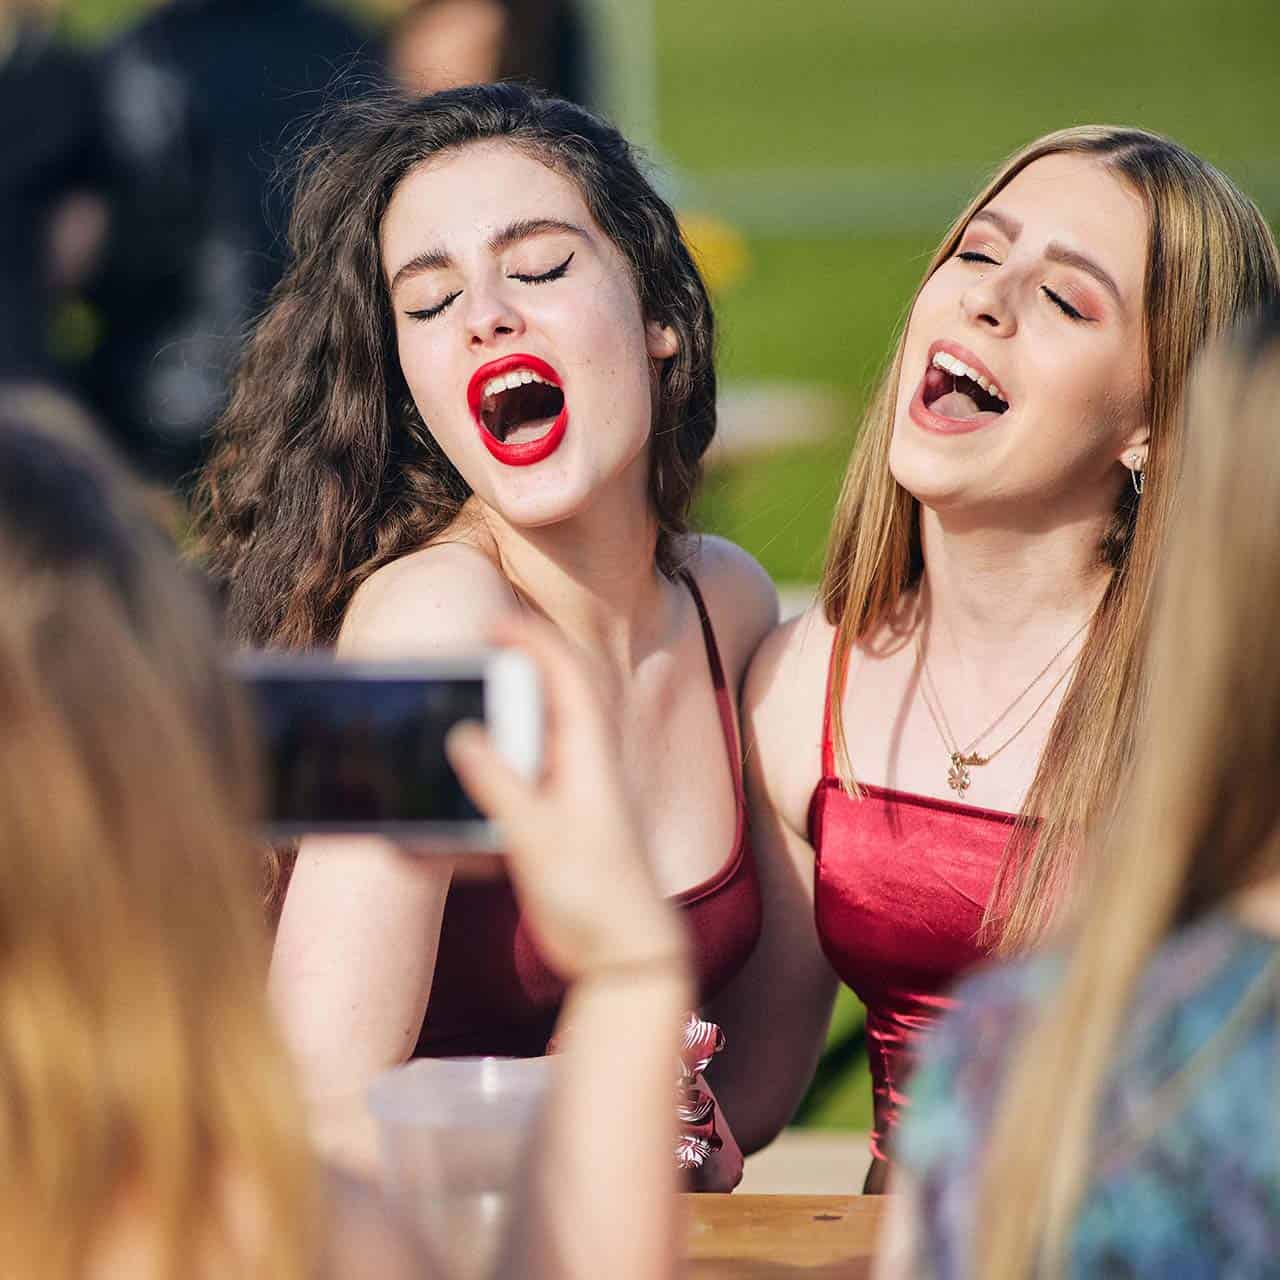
[[958, 775]]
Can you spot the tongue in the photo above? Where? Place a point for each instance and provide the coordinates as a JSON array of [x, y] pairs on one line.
[[528, 431], [956, 404]]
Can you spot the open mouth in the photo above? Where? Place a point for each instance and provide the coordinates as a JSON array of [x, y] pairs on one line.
[[952, 389], [519, 407]]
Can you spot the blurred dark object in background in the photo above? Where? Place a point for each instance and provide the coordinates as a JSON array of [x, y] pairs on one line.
[[199, 101], [49, 152], [438, 44]]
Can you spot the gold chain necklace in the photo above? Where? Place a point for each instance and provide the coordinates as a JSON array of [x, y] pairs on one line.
[[962, 759]]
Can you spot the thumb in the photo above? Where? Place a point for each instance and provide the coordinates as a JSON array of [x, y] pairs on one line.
[[495, 788]]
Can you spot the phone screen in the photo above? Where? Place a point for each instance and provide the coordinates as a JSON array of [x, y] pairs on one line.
[[356, 753]]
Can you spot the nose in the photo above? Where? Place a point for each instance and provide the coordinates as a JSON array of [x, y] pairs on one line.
[[987, 304], [490, 314]]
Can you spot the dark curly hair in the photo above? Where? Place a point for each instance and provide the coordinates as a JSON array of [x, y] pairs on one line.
[[322, 470]]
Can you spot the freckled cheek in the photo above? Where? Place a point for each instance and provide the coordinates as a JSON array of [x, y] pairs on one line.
[[443, 406]]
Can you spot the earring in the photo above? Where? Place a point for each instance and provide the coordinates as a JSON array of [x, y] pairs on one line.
[[1136, 473]]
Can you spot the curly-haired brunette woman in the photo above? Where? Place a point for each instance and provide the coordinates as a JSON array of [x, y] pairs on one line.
[[484, 385]]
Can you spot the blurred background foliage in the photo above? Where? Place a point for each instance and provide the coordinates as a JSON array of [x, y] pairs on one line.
[[819, 150]]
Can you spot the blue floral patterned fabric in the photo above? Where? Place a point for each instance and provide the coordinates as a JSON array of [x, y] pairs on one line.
[[1196, 1196]]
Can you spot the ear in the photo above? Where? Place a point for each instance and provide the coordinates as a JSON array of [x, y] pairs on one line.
[[1133, 450], [661, 341]]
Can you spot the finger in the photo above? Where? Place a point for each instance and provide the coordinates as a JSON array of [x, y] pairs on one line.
[[495, 788]]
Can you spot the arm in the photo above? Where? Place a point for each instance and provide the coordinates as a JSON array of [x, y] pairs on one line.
[[356, 946], [600, 1196], [776, 1011]]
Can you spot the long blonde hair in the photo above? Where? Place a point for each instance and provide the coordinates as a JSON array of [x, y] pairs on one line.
[[1200, 819], [139, 1070], [1210, 259]]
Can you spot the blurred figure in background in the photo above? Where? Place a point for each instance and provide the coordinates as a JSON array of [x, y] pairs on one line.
[[49, 223], [439, 44], [150, 1122], [200, 100], [1119, 1099]]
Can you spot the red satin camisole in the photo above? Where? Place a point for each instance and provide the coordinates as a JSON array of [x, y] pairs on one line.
[[494, 994], [901, 884]]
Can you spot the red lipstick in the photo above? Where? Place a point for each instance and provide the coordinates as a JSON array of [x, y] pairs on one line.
[[524, 453]]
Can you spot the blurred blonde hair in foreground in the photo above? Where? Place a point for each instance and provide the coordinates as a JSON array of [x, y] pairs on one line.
[[1199, 821], [148, 1124]]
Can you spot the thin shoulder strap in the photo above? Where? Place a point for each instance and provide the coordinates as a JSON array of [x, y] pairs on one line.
[[723, 695]]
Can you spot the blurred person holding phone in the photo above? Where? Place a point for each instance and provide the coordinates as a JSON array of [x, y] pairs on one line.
[[927, 744], [484, 387], [155, 1126], [1110, 1106]]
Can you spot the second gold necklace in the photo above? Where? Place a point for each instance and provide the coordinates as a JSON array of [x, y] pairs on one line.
[[963, 759]]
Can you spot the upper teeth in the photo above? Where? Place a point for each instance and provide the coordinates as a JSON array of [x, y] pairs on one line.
[[959, 369], [517, 378]]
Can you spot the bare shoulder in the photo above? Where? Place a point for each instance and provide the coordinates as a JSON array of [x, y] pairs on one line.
[[791, 663], [442, 598], [740, 596], [782, 706]]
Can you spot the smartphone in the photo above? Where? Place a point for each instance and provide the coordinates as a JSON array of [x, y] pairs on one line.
[[358, 747]]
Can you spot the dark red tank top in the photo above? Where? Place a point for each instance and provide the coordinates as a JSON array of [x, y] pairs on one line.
[[901, 883], [494, 994]]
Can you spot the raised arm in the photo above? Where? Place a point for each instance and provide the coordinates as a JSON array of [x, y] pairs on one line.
[[776, 1011], [602, 1193], [356, 946]]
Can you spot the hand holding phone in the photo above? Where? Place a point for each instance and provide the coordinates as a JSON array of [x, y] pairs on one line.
[[575, 851]]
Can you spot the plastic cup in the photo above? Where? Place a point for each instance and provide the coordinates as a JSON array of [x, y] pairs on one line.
[[455, 1133]]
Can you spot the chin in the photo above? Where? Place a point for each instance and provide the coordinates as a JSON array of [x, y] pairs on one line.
[[924, 472], [539, 501]]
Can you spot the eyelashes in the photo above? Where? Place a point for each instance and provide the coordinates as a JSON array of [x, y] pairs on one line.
[[545, 277], [1061, 303], [430, 313], [972, 255]]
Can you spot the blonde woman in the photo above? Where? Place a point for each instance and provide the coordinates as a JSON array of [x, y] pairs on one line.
[[927, 742], [1120, 1099], [150, 1122]]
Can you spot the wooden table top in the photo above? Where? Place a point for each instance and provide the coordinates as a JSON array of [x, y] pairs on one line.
[[738, 1237]]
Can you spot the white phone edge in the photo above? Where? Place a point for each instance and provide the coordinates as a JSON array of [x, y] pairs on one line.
[[513, 709]]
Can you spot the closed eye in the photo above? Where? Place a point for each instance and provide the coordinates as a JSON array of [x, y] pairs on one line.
[[430, 313], [554, 274], [1062, 303], [972, 255]]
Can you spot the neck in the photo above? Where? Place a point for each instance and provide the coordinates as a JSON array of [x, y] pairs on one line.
[[594, 575], [997, 591]]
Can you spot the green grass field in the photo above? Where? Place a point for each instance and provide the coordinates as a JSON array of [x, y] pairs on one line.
[[909, 105]]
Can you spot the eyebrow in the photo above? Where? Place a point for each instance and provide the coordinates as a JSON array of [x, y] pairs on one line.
[[1055, 251], [512, 233], [1074, 258]]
